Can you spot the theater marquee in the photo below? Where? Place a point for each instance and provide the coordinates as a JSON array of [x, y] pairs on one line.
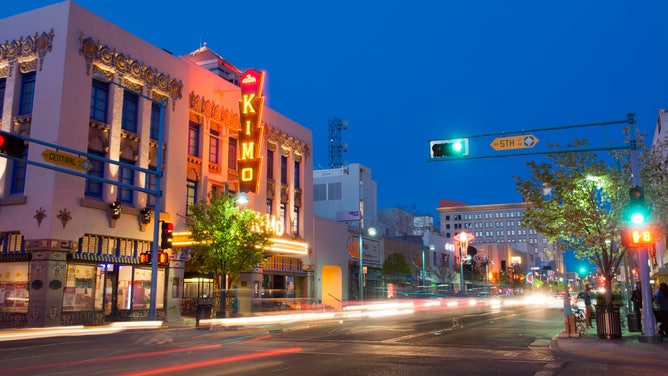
[[250, 135]]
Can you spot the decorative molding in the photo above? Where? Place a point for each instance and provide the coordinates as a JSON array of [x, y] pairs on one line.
[[212, 110], [39, 216], [64, 216], [130, 70], [28, 49]]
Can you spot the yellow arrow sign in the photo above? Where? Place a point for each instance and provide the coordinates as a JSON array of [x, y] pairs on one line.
[[66, 160], [515, 142]]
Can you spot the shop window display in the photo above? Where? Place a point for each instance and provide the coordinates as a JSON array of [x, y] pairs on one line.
[[14, 287], [83, 288]]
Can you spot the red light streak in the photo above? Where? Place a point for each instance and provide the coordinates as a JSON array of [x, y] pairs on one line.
[[212, 362], [110, 359]]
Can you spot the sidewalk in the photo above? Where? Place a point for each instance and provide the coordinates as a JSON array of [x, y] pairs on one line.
[[628, 350]]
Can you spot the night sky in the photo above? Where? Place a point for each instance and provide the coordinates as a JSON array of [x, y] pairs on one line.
[[404, 73]]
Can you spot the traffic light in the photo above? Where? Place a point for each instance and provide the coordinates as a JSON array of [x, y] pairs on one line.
[[11, 145], [166, 237], [456, 147], [163, 258], [637, 213]]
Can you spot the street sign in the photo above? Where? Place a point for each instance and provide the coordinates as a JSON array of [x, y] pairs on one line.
[[515, 142], [66, 160]]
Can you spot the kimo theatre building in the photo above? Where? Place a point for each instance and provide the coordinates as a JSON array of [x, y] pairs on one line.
[[268, 157], [101, 107], [74, 221]]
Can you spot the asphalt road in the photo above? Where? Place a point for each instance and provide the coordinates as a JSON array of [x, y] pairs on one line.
[[469, 340], [511, 340]]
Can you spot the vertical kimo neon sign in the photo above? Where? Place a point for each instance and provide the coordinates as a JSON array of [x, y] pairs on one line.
[[250, 135]]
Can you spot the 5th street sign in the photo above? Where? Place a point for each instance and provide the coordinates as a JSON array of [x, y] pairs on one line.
[[66, 160], [515, 142]]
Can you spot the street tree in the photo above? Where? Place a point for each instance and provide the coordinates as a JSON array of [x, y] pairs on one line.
[[396, 268], [578, 200], [227, 239]]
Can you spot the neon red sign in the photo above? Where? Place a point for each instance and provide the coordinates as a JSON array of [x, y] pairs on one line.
[[250, 135]]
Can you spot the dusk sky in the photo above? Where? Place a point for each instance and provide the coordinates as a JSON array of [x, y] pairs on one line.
[[402, 73]]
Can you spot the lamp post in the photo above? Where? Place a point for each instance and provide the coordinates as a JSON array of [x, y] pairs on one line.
[[431, 248], [372, 232], [463, 238]]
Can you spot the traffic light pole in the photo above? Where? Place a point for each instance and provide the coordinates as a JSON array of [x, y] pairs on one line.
[[648, 323], [156, 218]]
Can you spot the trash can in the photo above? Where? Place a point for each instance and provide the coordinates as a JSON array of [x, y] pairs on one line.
[[203, 312], [608, 322], [632, 321]]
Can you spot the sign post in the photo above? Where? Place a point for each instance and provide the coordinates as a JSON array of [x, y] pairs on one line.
[[514, 142]]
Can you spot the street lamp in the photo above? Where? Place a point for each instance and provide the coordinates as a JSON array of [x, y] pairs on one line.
[[431, 248], [463, 238], [372, 232]]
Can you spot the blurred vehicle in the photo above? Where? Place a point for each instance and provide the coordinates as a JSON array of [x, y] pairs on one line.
[[556, 300]]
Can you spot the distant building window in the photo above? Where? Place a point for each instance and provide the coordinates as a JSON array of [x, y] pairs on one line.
[[191, 196], [18, 181], [155, 121], [319, 192], [270, 206], [297, 174], [152, 184], [94, 187], [27, 93], [214, 144], [130, 111], [334, 191], [232, 154], [126, 175], [295, 221], [99, 101], [284, 169], [193, 139], [270, 165]]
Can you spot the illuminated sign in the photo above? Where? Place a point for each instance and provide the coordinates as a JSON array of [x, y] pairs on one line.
[[250, 135], [638, 237]]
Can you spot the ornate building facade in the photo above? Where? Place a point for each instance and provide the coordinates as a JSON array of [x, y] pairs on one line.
[[79, 211]]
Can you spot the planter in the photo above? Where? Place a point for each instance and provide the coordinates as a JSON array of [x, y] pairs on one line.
[[608, 322]]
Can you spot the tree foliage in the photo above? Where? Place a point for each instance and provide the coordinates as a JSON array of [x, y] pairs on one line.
[[578, 202], [396, 268], [228, 240]]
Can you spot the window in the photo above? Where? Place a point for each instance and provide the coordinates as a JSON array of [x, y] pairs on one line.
[[18, 181], [295, 221], [191, 196], [94, 187], [270, 206], [297, 174], [152, 184], [284, 169], [3, 84], [270, 165], [334, 191], [193, 139], [232, 154], [27, 93], [213, 147], [319, 192], [281, 215], [99, 101], [130, 111], [155, 121], [126, 175]]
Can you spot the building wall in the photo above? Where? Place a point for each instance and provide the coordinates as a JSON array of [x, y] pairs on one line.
[[53, 213], [349, 178]]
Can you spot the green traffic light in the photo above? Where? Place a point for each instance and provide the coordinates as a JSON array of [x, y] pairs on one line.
[[457, 147], [637, 218]]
